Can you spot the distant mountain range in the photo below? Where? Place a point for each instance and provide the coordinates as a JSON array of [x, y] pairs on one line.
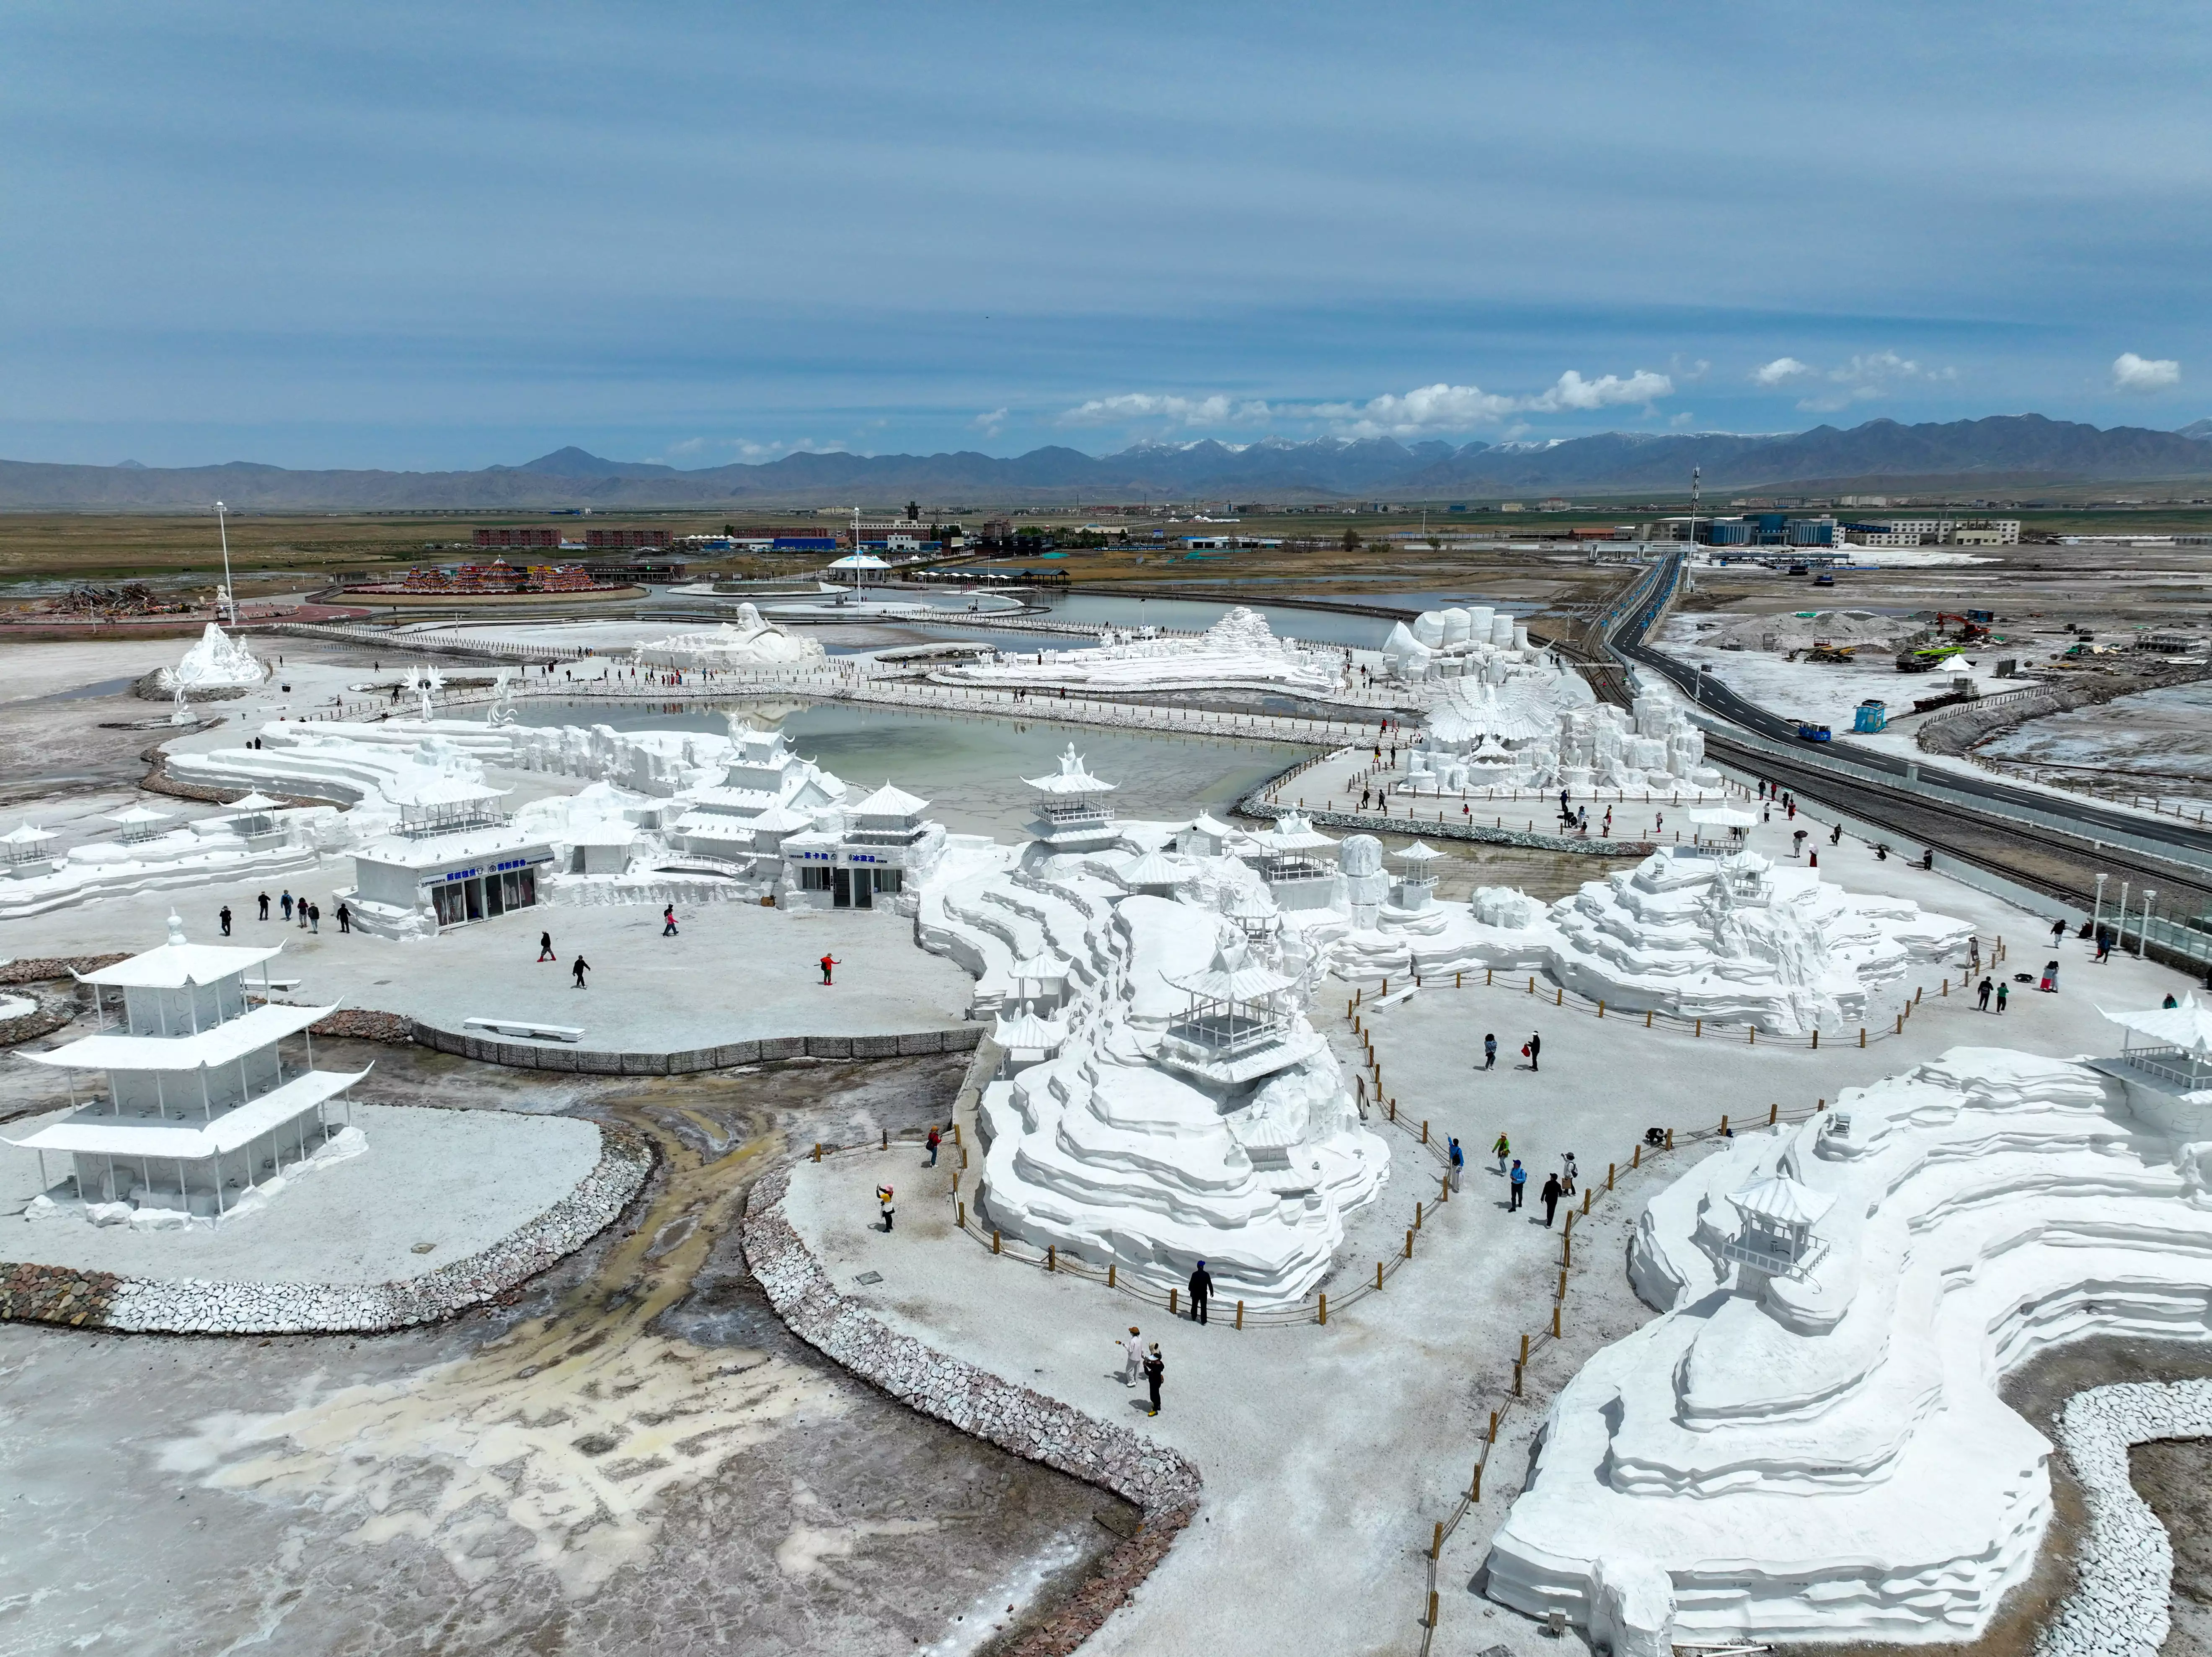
[[2007, 450]]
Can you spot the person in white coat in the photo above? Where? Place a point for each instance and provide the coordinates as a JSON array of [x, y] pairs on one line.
[[1132, 1357]]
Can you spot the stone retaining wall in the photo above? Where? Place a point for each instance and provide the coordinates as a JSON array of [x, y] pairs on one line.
[[39, 970], [1156, 1478], [593, 1061], [100, 1300], [2119, 1605]]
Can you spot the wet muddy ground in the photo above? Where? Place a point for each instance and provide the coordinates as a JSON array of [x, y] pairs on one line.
[[633, 1455]]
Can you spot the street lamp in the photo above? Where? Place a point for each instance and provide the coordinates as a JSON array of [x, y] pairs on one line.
[[2097, 914], [2142, 931], [229, 592]]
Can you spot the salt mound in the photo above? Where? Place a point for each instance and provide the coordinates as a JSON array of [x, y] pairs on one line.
[[751, 642], [216, 662], [1795, 632]]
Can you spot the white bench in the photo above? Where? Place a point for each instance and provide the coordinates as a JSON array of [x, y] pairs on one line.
[[530, 1026]]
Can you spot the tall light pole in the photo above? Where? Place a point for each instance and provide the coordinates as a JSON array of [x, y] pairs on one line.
[[229, 592], [2097, 914], [2142, 931]]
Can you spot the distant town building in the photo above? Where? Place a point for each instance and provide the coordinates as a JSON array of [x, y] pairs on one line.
[[499, 576], [517, 536], [626, 540]]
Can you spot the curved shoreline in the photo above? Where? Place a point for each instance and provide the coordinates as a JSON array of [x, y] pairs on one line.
[[34, 1293]]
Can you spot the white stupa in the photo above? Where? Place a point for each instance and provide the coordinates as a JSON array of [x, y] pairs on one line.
[[750, 642]]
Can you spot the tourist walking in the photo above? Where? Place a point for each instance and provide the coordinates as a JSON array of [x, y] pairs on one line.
[[884, 1194], [345, 916], [827, 962], [1534, 1048], [285, 903], [301, 910], [1567, 1173], [1201, 1291], [1458, 1166], [2049, 984], [1520, 1179], [2057, 933], [1490, 1052], [264, 901], [1156, 1371], [668, 921], [932, 1142], [1501, 1150], [223, 917], [1974, 954], [2004, 993], [545, 947], [315, 918], [1133, 1357], [1982, 993], [581, 967], [1550, 1197], [2104, 946]]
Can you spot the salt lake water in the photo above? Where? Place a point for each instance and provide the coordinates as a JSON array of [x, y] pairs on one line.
[[970, 768]]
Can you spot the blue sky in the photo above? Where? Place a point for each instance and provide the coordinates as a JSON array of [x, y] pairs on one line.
[[456, 235]]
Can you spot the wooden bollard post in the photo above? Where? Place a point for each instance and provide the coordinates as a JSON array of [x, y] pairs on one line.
[[1444, 1187], [886, 1144], [818, 1151], [1559, 996], [962, 1220], [1562, 1283], [1324, 1309], [1900, 1024], [1393, 1110], [1816, 1040], [1819, 1106], [1647, 1018], [956, 1134], [1425, 1130], [1493, 1427], [994, 1240], [1436, 1545], [1240, 1314], [1555, 1321], [1723, 1127], [1378, 1274], [1601, 1007], [1532, 986], [1751, 1031], [1700, 1029], [1171, 1303], [1456, 981], [1432, 1607], [1670, 1138], [1516, 1381], [1608, 1173], [1409, 1243], [1588, 1192], [1773, 1114], [1052, 1257], [1475, 1490], [1417, 1217], [1112, 1272], [1487, 973]]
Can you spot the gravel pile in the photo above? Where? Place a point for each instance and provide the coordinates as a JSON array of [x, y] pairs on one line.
[[2119, 1607], [38, 970]]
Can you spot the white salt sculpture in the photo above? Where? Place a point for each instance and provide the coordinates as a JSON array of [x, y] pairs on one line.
[[1808, 1445], [1525, 726], [1730, 937], [1240, 651], [750, 642], [215, 661], [1183, 1109]]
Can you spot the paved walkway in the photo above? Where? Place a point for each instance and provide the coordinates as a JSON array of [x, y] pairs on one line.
[[735, 972]]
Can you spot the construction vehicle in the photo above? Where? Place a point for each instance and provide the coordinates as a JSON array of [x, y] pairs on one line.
[[1824, 652], [1969, 629], [1924, 658]]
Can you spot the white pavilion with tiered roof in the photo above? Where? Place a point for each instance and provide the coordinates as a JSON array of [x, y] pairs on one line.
[[201, 1108], [1073, 815]]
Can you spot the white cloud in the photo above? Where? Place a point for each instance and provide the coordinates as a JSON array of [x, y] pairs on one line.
[[989, 422], [1679, 421], [1440, 407], [1865, 376], [1215, 410], [2131, 372], [1573, 391]]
